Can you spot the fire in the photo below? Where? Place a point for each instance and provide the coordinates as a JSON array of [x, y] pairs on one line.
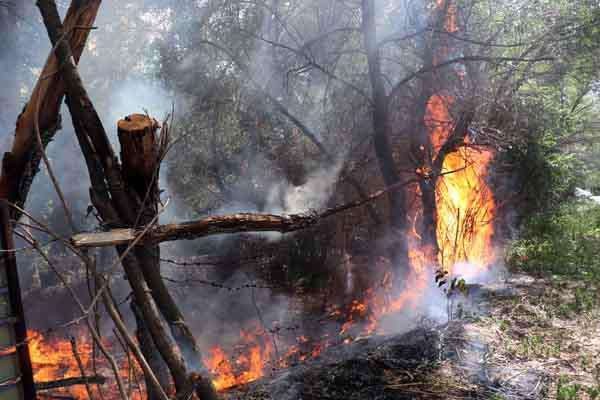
[[464, 202], [53, 359], [464, 230], [465, 206], [255, 353]]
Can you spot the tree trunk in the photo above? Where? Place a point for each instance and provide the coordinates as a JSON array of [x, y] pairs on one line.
[[151, 354], [383, 149]]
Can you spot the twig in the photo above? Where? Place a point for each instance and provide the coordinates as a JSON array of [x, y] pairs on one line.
[[81, 368]]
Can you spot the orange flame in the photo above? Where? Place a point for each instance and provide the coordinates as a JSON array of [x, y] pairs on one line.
[[466, 207], [249, 365], [52, 358], [464, 202]]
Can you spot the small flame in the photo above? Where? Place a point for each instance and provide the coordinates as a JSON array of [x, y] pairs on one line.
[[250, 364]]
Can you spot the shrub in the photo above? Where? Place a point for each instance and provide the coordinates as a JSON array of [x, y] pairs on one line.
[[565, 241]]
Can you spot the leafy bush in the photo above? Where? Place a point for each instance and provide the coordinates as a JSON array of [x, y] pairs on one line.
[[565, 241]]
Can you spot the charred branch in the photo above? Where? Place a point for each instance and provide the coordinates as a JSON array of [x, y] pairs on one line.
[[67, 382]]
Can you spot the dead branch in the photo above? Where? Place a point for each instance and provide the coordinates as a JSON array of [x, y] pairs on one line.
[[67, 382]]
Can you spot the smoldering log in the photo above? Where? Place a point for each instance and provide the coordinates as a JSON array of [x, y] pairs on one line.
[[67, 382]]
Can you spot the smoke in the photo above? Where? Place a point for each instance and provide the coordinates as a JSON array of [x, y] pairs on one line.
[[285, 198]]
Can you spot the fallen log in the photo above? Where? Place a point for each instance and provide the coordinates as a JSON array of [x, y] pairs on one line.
[[67, 382]]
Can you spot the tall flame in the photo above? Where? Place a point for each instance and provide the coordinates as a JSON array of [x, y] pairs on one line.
[[464, 202], [466, 207]]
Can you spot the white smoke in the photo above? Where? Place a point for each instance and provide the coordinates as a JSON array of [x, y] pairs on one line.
[[285, 198]]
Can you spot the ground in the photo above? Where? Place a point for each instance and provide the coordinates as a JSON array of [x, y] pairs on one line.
[[522, 338]]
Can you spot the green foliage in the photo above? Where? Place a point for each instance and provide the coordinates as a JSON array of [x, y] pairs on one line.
[[564, 241], [566, 390], [594, 393]]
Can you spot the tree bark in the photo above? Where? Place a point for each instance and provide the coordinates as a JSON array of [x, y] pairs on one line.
[[152, 357]]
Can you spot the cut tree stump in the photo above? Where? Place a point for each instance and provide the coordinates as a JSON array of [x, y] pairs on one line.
[[139, 150]]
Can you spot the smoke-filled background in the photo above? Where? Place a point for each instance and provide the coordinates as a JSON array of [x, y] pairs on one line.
[[272, 108]]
